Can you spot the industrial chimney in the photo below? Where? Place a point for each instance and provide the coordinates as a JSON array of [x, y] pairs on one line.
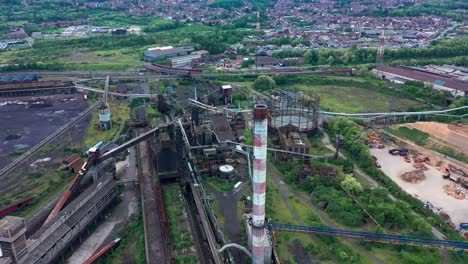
[[259, 184]]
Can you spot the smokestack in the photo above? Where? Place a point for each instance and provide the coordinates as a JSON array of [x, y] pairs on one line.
[[259, 183]]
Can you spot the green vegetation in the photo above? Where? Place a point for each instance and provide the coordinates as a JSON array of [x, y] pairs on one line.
[[372, 89], [114, 52], [453, 9], [423, 139], [454, 49], [219, 185], [323, 247], [131, 248], [16, 153], [264, 83], [316, 145], [417, 136], [357, 151], [327, 193], [46, 186], [227, 4], [119, 115], [180, 232]]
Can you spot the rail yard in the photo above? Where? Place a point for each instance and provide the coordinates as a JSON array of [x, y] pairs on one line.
[[191, 152]]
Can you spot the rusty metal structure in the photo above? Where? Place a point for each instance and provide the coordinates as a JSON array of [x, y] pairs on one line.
[[299, 109]]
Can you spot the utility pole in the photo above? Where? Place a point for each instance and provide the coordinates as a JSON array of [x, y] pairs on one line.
[[339, 141]]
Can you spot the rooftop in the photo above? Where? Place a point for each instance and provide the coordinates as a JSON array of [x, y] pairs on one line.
[[417, 74]]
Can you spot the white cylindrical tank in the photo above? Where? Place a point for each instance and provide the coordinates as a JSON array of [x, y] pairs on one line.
[[226, 171]]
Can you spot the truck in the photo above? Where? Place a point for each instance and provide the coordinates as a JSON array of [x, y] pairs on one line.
[[394, 152], [464, 226], [449, 176]]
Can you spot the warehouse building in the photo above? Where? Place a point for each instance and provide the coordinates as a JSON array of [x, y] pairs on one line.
[[402, 74], [161, 53], [183, 61]]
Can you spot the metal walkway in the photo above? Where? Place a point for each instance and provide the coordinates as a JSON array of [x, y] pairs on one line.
[[364, 116], [134, 141], [374, 236], [48, 139]]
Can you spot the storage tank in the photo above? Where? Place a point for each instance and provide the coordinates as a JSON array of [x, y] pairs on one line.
[[105, 117], [226, 171]]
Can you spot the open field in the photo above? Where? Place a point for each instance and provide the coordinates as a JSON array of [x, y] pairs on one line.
[[348, 99], [99, 52], [354, 100], [431, 189]]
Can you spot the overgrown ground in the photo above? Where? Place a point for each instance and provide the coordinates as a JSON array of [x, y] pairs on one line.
[[119, 115], [424, 139], [325, 249], [131, 248], [347, 94], [182, 239]]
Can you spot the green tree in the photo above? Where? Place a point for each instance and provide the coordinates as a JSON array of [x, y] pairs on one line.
[[351, 185], [264, 83]]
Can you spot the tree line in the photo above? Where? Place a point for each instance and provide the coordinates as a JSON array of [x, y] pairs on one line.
[[354, 55]]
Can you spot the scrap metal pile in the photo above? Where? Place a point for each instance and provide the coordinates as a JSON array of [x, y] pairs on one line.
[[456, 191], [415, 176]]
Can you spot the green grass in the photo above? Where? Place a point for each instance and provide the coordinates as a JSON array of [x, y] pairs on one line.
[[16, 153], [100, 52], [417, 136], [131, 246], [461, 156], [181, 237], [424, 139], [45, 186], [276, 208], [354, 100], [317, 147], [348, 95], [219, 185]]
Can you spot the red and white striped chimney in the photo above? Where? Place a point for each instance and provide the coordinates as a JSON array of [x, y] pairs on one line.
[[259, 183]]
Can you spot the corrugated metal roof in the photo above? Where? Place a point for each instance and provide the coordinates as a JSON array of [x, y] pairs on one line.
[[424, 76]]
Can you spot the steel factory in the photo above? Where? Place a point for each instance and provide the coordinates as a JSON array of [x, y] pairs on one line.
[[189, 163]]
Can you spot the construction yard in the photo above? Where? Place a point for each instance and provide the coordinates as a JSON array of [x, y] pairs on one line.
[[422, 176]]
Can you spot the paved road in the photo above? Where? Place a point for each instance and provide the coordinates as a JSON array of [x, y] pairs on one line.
[[229, 201], [286, 191]]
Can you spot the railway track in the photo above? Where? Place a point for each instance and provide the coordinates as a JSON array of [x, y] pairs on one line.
[[157, 240], [46, 140]]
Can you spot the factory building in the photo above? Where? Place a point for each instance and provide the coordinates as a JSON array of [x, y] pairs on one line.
[[183, 61], [161, 53], [402, 74]]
